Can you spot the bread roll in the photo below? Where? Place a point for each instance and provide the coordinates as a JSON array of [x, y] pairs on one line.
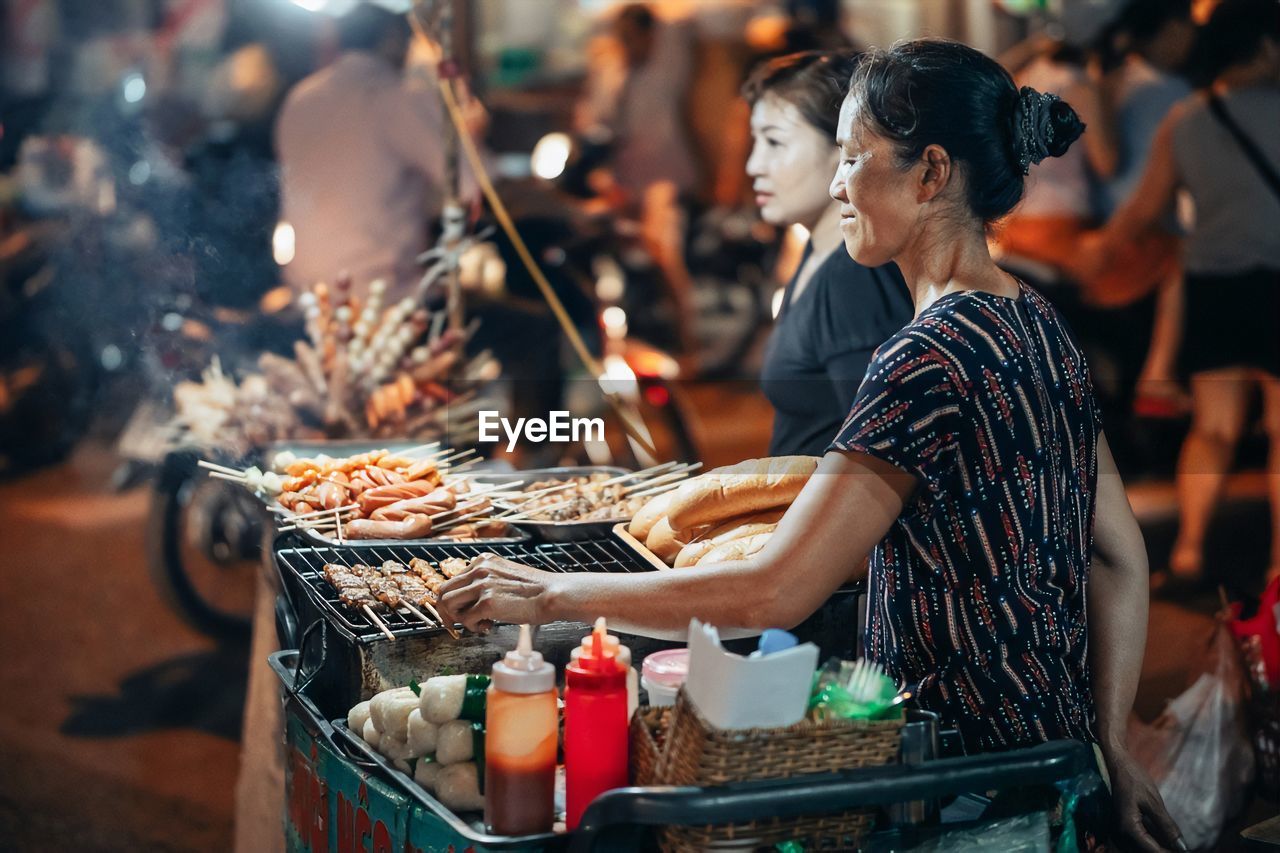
[[735, 528], [644, 520], [663, 541], [751, 486], [736, 549]]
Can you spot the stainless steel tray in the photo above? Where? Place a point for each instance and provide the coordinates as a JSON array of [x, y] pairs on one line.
[[561, 531], [517, 535]]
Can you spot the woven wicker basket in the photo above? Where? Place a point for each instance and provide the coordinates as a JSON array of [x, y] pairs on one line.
[[680, 748]]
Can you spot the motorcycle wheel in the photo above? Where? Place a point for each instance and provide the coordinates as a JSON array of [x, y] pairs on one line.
[[202, 549]]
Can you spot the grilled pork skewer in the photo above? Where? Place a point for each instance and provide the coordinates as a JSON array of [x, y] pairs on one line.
[[352, 589]]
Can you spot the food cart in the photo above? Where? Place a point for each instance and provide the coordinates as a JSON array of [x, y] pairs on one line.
[[342, 794]]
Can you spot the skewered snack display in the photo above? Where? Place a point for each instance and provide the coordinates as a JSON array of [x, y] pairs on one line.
[[598, 496], [389, 586], [364, 371], [380, 495]]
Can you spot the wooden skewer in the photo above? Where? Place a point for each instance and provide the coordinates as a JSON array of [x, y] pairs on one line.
[[611, 481], [466, 465], [520, 515], [622, 478], [656, 490], [483, 491], [421, 448], [222, 468], [454, 522], [381, 625], [674, 476], [462, 454], [549, 490], [461, 506], [453, 632], [323, 512], [237, 478]]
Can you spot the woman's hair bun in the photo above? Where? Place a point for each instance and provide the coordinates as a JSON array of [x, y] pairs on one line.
[[1044, 125]]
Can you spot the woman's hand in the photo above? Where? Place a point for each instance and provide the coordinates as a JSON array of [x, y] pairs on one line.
[[1140, 812], [493, 589]]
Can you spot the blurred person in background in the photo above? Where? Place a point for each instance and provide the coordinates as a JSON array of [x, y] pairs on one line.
[[1057, 205], [362, 162], [1221, 146], [835, 312], [1143, 53], [635, 100]]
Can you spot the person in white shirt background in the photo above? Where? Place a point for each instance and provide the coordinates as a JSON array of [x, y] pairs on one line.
[[362, 160]]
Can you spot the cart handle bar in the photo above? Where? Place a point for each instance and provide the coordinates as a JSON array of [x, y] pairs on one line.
[[832, 792]]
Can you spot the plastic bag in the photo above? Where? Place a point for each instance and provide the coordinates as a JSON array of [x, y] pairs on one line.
[[1197, 751], [1028, 833]]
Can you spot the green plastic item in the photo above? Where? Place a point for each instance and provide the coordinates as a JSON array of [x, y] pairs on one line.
[[832, 700]]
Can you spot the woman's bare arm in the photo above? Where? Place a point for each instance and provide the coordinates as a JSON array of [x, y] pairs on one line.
[[1117, 613], [1155, 192], [822, 541]]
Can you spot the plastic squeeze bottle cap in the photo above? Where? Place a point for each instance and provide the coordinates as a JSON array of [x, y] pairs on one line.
[[523, 670], [613, 646], [602, 656]]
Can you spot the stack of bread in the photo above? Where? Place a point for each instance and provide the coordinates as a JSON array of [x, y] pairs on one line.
[[725, 514]]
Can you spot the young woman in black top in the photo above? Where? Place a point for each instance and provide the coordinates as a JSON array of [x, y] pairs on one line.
[[835, 312]]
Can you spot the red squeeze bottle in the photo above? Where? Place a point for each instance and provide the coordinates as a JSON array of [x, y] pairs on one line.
[[595, 726]]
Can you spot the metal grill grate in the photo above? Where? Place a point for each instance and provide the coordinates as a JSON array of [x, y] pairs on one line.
[[307, 564]]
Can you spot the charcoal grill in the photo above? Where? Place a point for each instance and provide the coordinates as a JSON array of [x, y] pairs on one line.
[[306, 565], [357, 660]]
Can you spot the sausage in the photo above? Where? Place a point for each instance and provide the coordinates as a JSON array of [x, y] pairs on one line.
[[413, 527], [380, 496], [360, 483], [423, 469], [331, 495], [436, 501], [298, 467], [297, 484]]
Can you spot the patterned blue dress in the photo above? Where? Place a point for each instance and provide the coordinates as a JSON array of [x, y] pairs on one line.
[[978, 591]]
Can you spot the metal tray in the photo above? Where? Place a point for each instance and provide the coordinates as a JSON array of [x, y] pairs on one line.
[[517, 535], [562, 531], [473, 831]]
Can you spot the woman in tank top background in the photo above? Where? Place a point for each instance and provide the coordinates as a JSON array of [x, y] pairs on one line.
[[1230, 344]]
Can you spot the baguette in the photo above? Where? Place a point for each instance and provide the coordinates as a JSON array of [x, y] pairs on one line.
[[738, 549], [663, 541], [644, 520], [751, 486], [735, 528]]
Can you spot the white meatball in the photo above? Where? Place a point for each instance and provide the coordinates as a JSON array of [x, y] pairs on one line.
[[458, 787], [390, 709], [371, 734], [422, 735], [456, 742], [358, 716]]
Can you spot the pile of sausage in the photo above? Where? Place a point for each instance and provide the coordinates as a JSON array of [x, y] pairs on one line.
[[388, 496]]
